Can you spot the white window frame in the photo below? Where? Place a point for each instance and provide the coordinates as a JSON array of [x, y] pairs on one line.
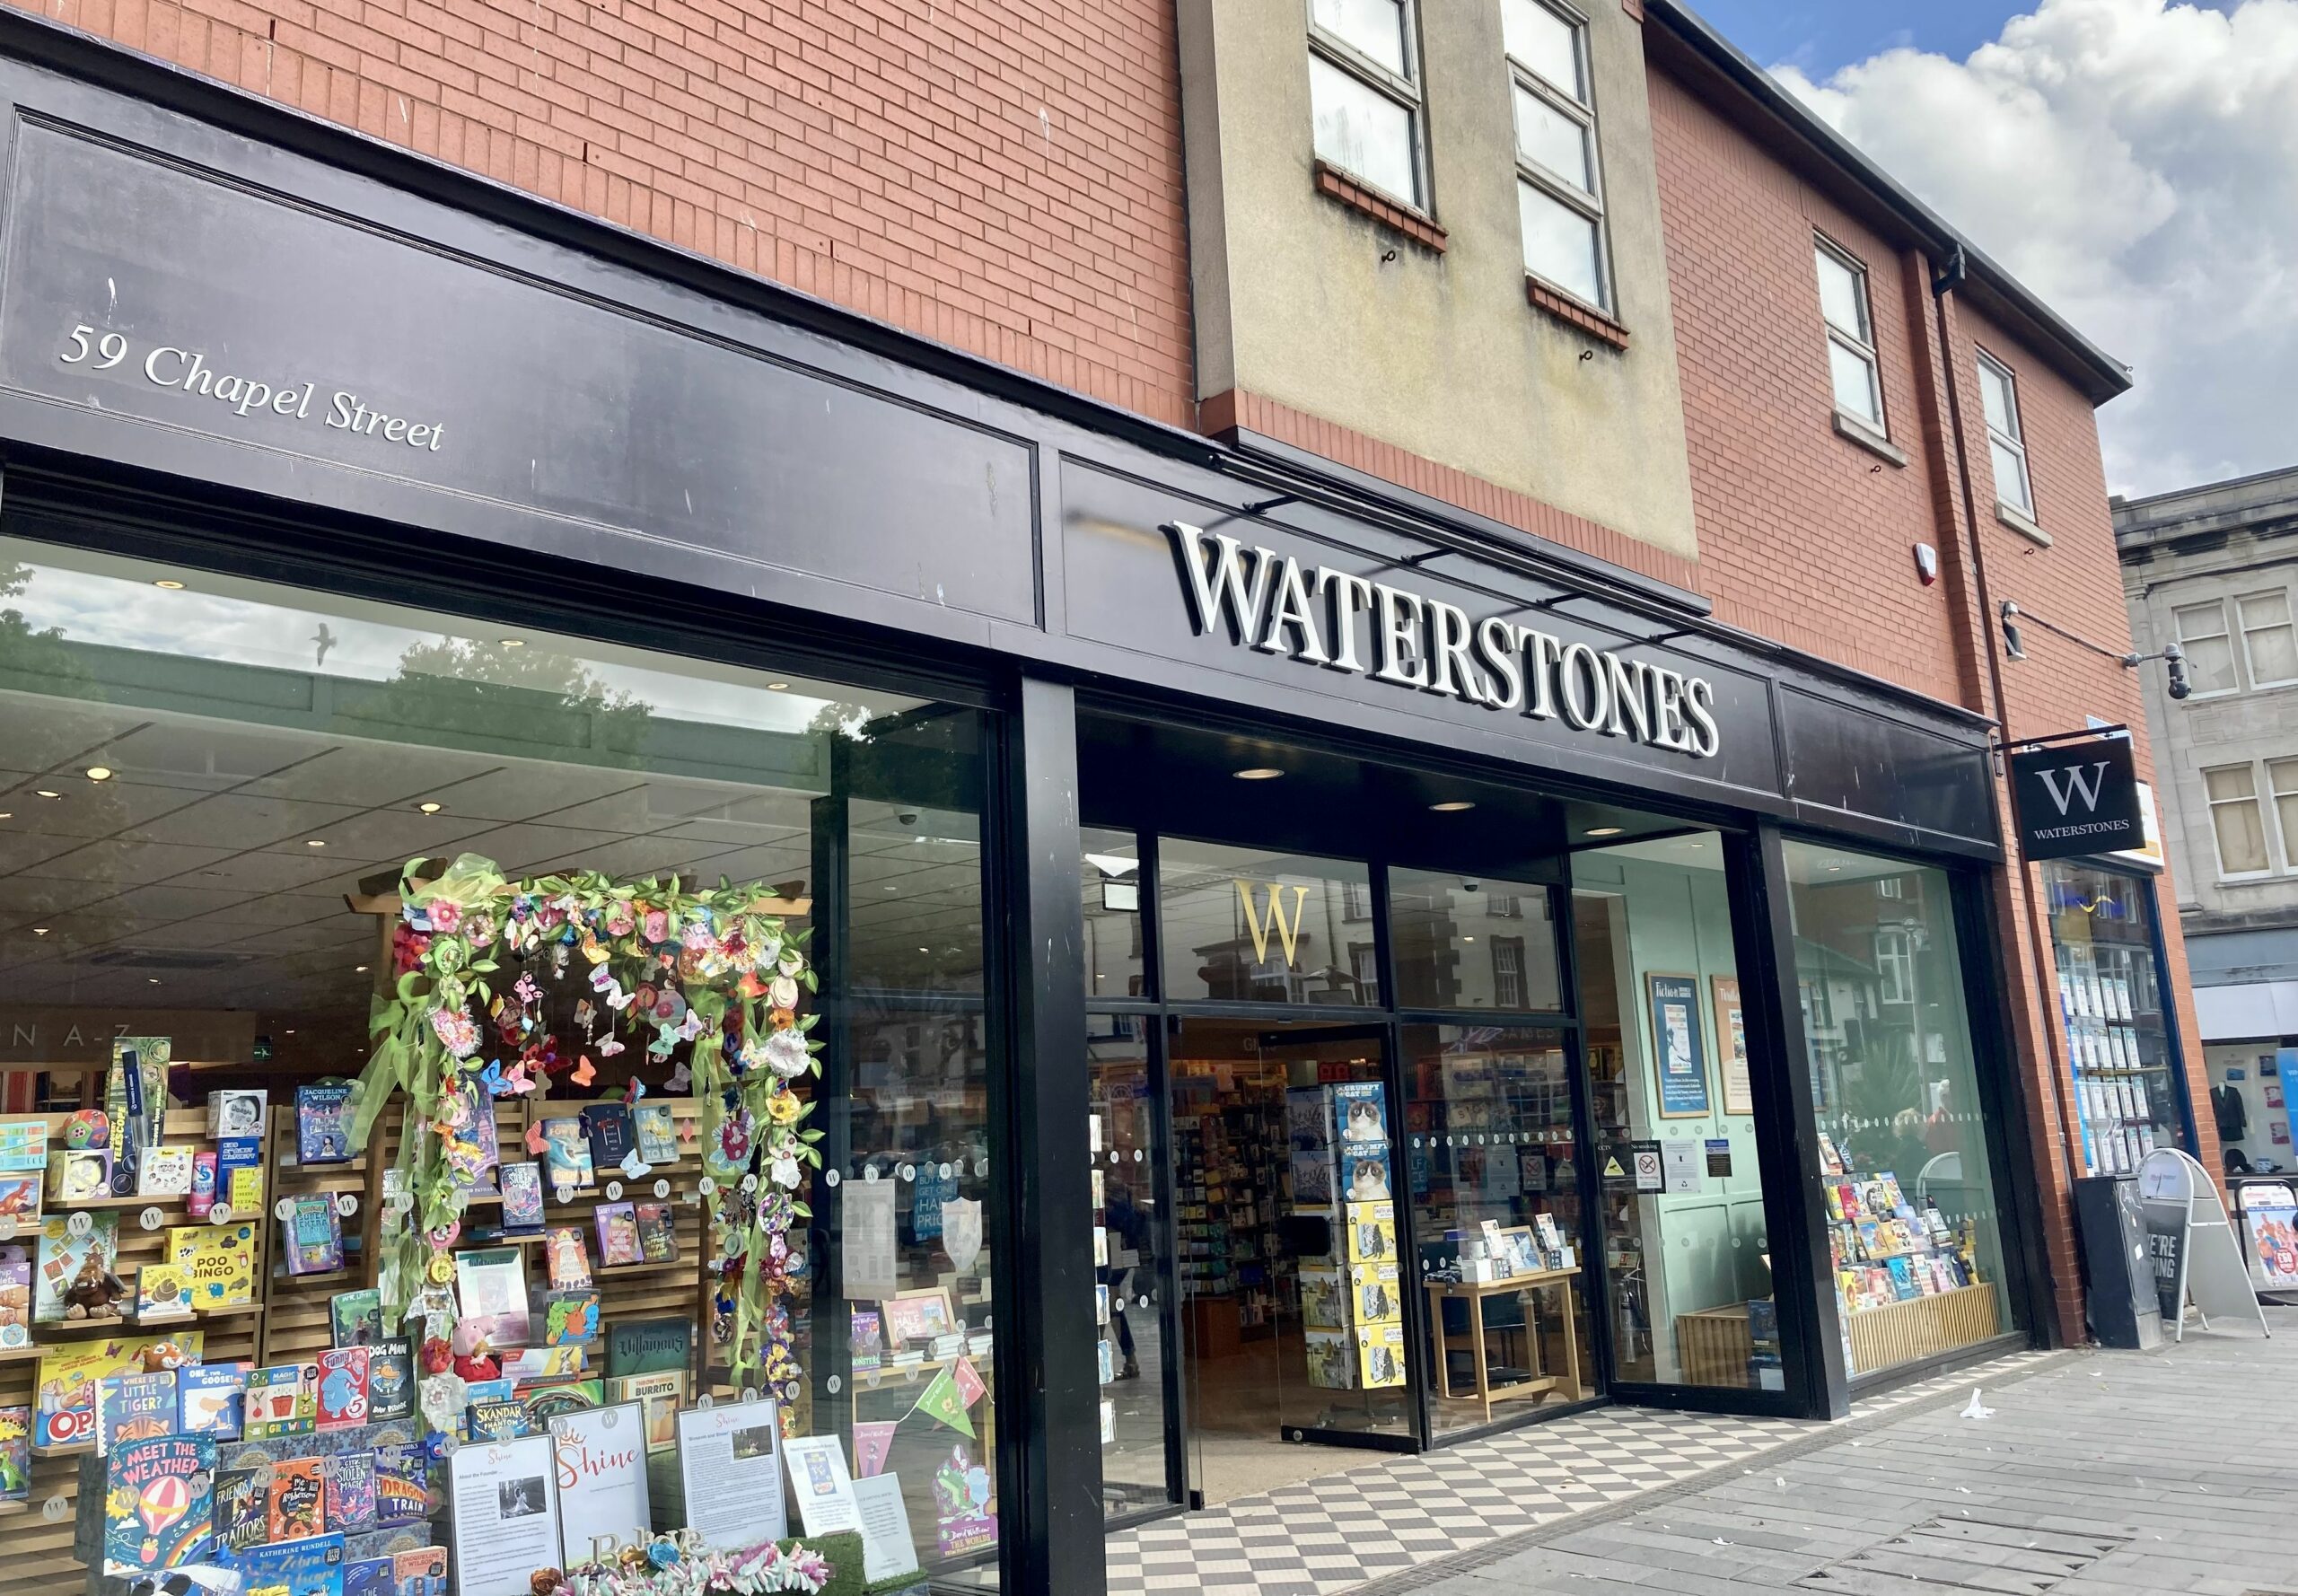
[[1580, 109], [2279, 835], [2256, 799], [2015, 440], [2225, 630], [1513, 948], [1894, 965], [2249, 668], [1404, 89], [1864, 348]]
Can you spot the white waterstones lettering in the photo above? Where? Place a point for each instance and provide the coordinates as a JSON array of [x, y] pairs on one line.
[[1270, 602], [187, 371]]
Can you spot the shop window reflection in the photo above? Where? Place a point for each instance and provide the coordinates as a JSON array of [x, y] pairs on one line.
[[1244, 925], [1466, 942]]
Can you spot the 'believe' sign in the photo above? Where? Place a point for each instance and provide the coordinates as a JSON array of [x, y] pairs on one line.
[[2077, 798]]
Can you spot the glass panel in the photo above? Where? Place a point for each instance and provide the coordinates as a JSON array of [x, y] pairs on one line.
[[2210, 656], [1910, 1190], [1687, 1242], [1854, 377], [1113, 921], [1246, 926], [1843, 295], [2234, 817], [1547, 137], [1560, 244], [1995, 394], [2011, 476], [1292, 1290], [1374, 28], [1539, 38], [1137, 1469], [1466, 942], [2266, 638], [1497, 1216], [2283, 774], [1362, 130], [242, 769], [2110, 1004]]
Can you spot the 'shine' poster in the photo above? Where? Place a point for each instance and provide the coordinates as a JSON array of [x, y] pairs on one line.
[[505, 1498], [601, 1454], [730, 1462]]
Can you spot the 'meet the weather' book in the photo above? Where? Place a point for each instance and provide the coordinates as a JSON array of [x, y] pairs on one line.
[[159, 1502]]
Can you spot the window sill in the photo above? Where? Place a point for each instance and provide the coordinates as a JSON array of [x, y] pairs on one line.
[[2022, 524], [1574, 312], [1858, 432], [1367, 201]]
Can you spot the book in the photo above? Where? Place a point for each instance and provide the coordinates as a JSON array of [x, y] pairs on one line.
[[314, 1236], [15, 1297], [617, 1226], [135, 1406], [244, 1505], [355, 1318], [76, 1265], [491, 1290], [162, 1291], [566, 1152], [164, 1172], [298, 1500], [211, 1399], [390, 1379], [15, 1455], [569, 1316], [402, 1484], [351, 1492], [658, 1236], [20, 1198], [656, 1130], [864, 1344], [23, 1146], [343, 1387], [159, 1502], [421, 1571], [522, 1188], [282, 1399], [659, 1396], [371, 1576], [649, 1345], [503, 1420], [239, 1173], [608, 1128], [218, 1262], [323, 1122], [566, 1259], [79, 1175], [312, 1567], [237, 1112]]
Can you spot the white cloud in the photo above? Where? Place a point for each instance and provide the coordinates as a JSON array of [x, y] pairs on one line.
[[2137, 165]]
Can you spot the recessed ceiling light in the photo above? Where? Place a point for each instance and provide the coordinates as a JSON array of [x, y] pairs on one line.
[[1452, 806], [778, 686], [99, 772], [291, 1030], [170, 582], [48, 793], [359, 970], [40, 931], [1259, 773], [431, 807], [514, 642], [6, 814], [1603, 831], [154, 979], [314, 842], [1467, 939], [925, 950]]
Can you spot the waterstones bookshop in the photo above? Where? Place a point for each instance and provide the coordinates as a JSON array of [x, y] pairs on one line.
[[635, 910]]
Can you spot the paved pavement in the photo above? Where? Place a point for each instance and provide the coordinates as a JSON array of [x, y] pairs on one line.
[[2101, 1474]]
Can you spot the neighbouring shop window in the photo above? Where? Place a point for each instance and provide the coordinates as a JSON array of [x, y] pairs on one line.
[[1914, 1234], [1464, 942], [1246, 926], [210, 793], [2128, 1099], [1499, 1214], [1684, 1227]]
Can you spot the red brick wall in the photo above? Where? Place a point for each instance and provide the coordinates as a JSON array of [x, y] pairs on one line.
[[1002, 175], [1803, 536]]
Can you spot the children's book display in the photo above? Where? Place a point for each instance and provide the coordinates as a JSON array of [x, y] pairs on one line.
[[1887, 1251], [1352, 1298]]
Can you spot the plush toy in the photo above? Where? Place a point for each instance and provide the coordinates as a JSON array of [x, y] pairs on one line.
[[161, 1357], [95, 1291], [478, 1363]]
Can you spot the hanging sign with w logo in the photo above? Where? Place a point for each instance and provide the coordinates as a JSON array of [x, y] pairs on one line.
[[1272, 913], [2077, 798]]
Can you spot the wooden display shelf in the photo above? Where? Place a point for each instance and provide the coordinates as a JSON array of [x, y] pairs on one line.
[[619, 1271], [156, 1200], [76, 1449], [9, 1354], [9, 1510], [1922, 1327], [91, 1326]]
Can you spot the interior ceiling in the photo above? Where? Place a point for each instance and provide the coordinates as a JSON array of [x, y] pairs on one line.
[[210, 870]]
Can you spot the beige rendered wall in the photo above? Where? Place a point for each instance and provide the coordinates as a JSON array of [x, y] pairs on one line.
[[1437, 354]]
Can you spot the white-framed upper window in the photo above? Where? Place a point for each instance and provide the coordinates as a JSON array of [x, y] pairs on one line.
[[1508, 972], [2209, 650], [2007, 440], [1852, 366], [2282, 777], [1559, 184], [1895, 963], [2236, 821], [2269, 644], [1365, 93]]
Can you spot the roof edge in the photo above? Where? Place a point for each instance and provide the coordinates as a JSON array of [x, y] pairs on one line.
[[2098, 375]]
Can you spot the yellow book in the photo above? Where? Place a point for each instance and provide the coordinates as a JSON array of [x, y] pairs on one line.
[[218, 1262]]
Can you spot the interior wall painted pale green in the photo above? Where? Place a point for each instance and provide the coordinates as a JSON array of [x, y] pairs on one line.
[[1709, 1244]]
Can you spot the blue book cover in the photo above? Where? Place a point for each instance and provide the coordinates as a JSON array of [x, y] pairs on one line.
[[312, 1567], [169, 1485], [323, 1122], [522, 1188], [371, 1576], [211, 1399], [135, 1407]]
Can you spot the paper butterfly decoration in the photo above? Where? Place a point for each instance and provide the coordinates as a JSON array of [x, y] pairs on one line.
[[602, 981], [585, 1072], [608, 1046], [536, 1143], [682, 1079], [634, 1166], [634, 1091]]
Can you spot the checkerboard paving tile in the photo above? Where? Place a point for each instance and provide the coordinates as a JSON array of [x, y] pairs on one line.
[[1330, 1535]]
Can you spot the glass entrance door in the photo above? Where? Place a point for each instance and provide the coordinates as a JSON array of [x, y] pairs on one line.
[[1141, 1456]]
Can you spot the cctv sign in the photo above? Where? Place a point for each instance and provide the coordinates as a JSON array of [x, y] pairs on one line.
[[2077, 798]]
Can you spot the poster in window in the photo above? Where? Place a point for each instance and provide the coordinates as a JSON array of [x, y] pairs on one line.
[[1680, 1050], [1732, 1044]]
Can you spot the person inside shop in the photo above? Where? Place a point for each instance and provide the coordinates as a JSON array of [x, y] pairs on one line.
[[1129, 1238]]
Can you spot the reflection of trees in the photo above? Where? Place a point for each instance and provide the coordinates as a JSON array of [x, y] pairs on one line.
[[484, 692], [38, 651]]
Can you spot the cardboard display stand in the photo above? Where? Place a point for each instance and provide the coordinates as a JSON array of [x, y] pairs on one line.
[[2195, 1248]]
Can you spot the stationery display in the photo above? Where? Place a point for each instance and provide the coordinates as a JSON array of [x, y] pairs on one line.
[[2121, 1074]]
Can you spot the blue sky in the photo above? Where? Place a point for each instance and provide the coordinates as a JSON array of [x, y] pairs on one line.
[[1819, 36]]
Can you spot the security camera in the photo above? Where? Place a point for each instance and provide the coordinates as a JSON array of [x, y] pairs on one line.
[[1471, 886], [907, 817], [2175, 659]]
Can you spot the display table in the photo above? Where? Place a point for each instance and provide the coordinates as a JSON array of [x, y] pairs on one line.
[[1474, 1293]]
